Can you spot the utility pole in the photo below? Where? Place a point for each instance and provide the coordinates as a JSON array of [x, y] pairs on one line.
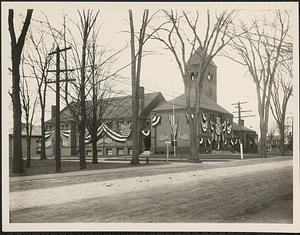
[[239, 111], [57, 110]]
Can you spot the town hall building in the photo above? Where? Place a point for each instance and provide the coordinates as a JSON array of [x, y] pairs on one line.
[[159, 121]]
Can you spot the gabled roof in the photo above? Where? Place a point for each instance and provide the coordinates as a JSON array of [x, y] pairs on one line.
[[196, 57], [237, 127], [180, 103], [119, 107]]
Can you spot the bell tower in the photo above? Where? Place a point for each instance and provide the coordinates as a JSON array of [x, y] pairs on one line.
[[210, 81]]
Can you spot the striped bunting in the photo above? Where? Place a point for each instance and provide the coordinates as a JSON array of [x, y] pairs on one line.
[[146, 133], [155, 120]]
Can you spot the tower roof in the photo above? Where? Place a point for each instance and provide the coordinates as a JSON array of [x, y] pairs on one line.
[[180, 103], [196, 57]]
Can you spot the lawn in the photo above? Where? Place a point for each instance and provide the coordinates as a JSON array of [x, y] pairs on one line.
[[48, 166]]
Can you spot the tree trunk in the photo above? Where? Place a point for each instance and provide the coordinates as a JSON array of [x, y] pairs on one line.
[[263, 140], [28, 145], [82, 147], [17, 114], [43, 130], [281, 130], [94, 146], [135, 103], [194, 146]]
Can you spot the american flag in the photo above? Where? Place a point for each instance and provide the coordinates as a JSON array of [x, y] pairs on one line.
[[174, 126], [218, 125], [125, 130]]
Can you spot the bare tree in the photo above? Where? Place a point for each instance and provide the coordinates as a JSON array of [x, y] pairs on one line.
[[87, 21], [39, 61], [29, 103], [136, 63], [174, 37], [100, 86], [260, 49], [16, 52], [282, 91]]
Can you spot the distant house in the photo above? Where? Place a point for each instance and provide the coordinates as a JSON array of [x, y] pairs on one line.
[[273, 143], [35, 142], [247, 136]]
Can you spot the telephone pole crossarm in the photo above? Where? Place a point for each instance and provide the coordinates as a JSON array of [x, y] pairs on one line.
[[57, 110]]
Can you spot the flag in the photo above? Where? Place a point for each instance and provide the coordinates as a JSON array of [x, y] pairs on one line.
[[174, 126], [125, 130]]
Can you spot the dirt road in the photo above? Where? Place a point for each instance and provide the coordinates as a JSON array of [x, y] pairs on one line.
[[226, 194]]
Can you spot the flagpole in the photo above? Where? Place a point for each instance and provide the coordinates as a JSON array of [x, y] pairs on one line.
[[174, 121]]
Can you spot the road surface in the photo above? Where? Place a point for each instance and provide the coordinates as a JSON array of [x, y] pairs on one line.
[[232, 192]]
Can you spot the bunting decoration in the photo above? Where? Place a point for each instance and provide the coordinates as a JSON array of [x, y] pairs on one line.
[[187, 117], [218, 126], [229, 127], [146, 133], [65, 135], [201, 141], [125, 133], [232, 142], [224, 126], [155, 120], [208, 141], [174, 126], [204, 123], [49, 136], [212, 128]]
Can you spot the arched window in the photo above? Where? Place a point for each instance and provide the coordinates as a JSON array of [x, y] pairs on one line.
[[193, 76]]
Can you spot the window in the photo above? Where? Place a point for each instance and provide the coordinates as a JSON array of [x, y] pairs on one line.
[[99, 152], [210, 76], [67, 126], [108, 151], [129, 150], [50, 127], [62, 126], [46, 128], [194, 76], [89, 152], [147, 123], [120, 151]]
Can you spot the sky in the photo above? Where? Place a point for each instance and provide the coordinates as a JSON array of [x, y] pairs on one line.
[[159, 71]]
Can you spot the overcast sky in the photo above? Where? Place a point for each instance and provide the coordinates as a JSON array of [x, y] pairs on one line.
[[159, 72]]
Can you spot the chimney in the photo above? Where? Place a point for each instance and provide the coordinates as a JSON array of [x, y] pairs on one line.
[[141, 98], [241, 122], [53, 109]]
